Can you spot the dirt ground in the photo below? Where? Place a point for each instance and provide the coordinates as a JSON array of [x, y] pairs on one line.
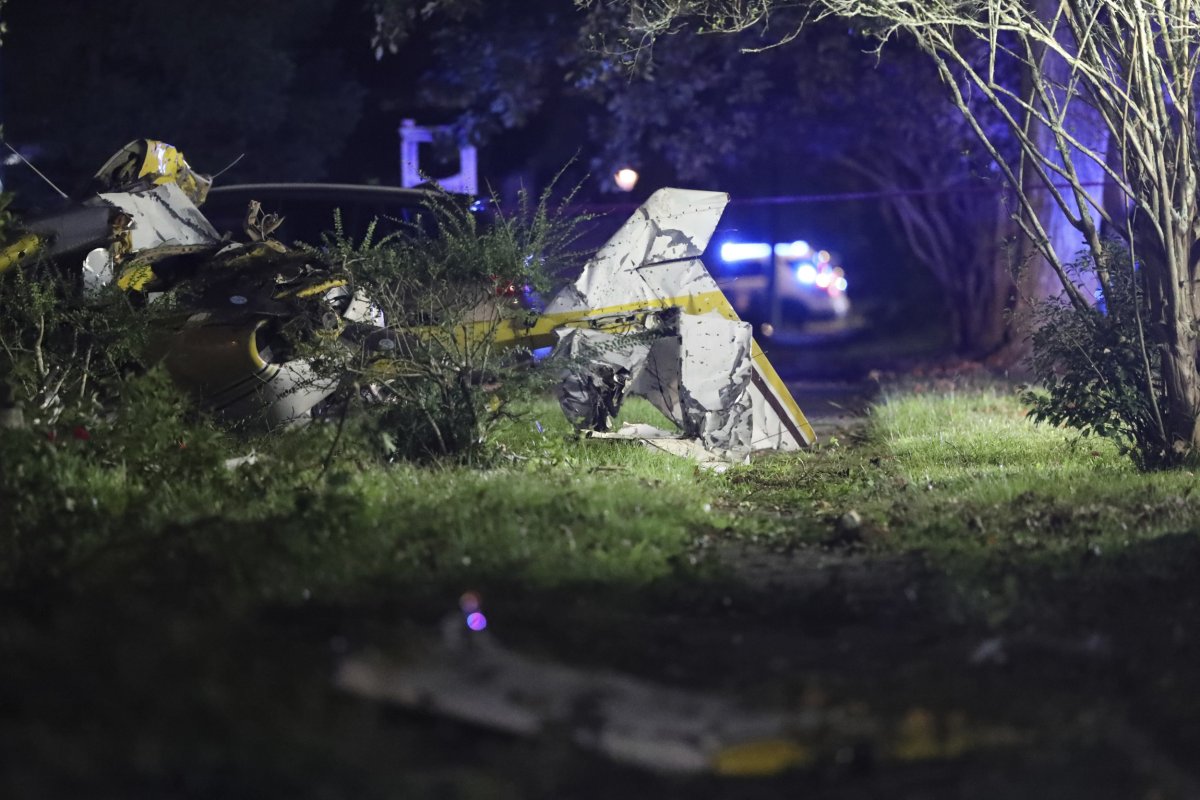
[[1088, 689]]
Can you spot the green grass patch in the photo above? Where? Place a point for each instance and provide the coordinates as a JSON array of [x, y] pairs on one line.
[[967, 471], [960, 473], [164, 510]]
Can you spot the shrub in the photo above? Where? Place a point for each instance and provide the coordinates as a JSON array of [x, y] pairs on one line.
[[436, 381], [1099, 373], [63, 353]]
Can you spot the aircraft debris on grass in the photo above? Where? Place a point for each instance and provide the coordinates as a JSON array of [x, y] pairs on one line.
[[644, 318]]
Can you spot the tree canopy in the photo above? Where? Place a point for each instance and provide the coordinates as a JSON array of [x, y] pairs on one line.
[[824, 112]]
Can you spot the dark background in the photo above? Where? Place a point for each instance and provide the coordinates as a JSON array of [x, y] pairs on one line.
[[295, 88]]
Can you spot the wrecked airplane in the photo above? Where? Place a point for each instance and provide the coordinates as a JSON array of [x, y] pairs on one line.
[[644, 318]]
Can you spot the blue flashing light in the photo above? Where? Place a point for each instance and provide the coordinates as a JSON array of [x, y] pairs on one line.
[[745, 251], [806, 273], [796, 249]]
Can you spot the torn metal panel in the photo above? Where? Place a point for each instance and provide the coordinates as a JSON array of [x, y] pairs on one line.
[[605, 366], [696, 370], [162, 215], [707, 374], [714, 378], [666, 442], [673, 225], [630, 720], [148, 162]]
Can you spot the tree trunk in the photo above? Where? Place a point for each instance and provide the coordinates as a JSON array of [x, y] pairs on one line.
[[1181, 384], [1171, 303], [1037, 281], [957, 232]]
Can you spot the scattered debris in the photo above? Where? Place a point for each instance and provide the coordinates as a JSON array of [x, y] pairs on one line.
[[667, 442], [996, 650], [241, 461], [990, 652], [644, 318], [470, 677], [850, 521]]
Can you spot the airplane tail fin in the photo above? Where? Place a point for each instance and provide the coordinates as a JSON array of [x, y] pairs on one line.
[[653, 263]]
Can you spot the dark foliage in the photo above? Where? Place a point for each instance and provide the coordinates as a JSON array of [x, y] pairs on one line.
[[436, 381], [1100, 374]]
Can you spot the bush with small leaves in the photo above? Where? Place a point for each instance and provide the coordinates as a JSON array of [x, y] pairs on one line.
[[1099, 372], [437, 380]]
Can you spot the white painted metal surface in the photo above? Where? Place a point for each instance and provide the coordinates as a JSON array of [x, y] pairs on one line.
[[646, 318], [161, 216]]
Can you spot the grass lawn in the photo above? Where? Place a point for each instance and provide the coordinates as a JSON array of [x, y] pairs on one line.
[[169, 627], [964, 472]]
